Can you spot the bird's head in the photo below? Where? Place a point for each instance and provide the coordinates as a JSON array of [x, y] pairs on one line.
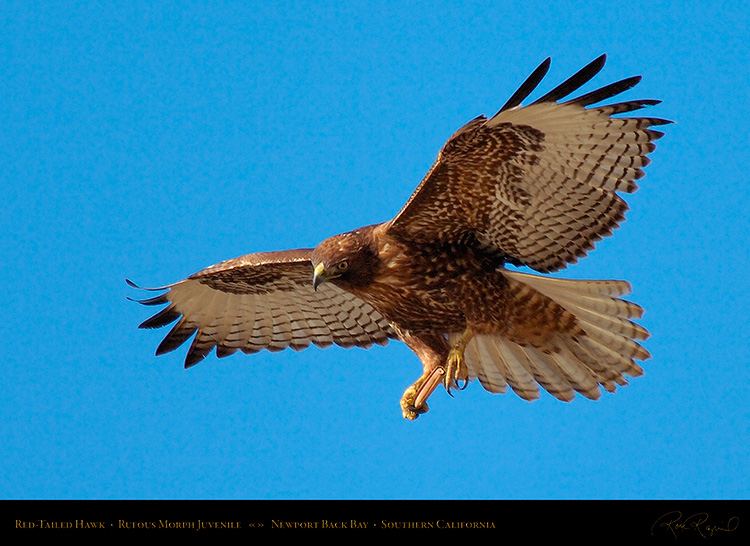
[[347, 259]]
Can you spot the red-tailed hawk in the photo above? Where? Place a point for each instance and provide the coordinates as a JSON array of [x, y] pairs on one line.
[[533, 185]]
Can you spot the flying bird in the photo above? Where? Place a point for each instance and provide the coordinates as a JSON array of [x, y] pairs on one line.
[[534, 185]]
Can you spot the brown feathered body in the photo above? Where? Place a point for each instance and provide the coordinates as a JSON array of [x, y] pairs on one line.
[[428, 291]]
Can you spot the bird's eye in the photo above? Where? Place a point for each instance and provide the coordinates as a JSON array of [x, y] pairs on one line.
[[343, 266]]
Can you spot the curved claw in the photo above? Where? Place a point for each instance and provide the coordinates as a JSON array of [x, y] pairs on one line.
[[457, 373]]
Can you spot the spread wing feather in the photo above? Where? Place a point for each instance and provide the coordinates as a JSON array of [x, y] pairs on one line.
[[262, 301], [538, 182]]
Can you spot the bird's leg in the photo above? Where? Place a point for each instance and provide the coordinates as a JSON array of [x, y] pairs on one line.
[[456, 369], [414, 400]]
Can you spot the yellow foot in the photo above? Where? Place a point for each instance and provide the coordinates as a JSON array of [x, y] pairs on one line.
[[456, 374], [414, 400], [457, 371]]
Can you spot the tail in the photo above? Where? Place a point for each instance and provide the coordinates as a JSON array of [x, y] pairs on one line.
[[574, 362]]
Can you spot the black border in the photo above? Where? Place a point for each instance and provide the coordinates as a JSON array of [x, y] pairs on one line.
[[662, 521]]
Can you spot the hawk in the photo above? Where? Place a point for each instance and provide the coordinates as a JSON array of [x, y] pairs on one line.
[[534, 185]]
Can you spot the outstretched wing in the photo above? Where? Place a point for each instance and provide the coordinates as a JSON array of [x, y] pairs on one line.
[[537, 182], [262, 301]]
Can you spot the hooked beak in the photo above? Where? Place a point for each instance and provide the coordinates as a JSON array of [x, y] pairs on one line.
[[319, 276]]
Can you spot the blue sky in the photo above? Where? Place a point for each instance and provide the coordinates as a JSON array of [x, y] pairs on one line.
[[149, 140]]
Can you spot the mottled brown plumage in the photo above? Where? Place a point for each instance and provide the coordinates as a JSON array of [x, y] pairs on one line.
[[533, 185]]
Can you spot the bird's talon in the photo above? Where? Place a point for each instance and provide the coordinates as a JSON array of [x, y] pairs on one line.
[[408, 404], [457, 374], [414, 400], [411, 413]]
